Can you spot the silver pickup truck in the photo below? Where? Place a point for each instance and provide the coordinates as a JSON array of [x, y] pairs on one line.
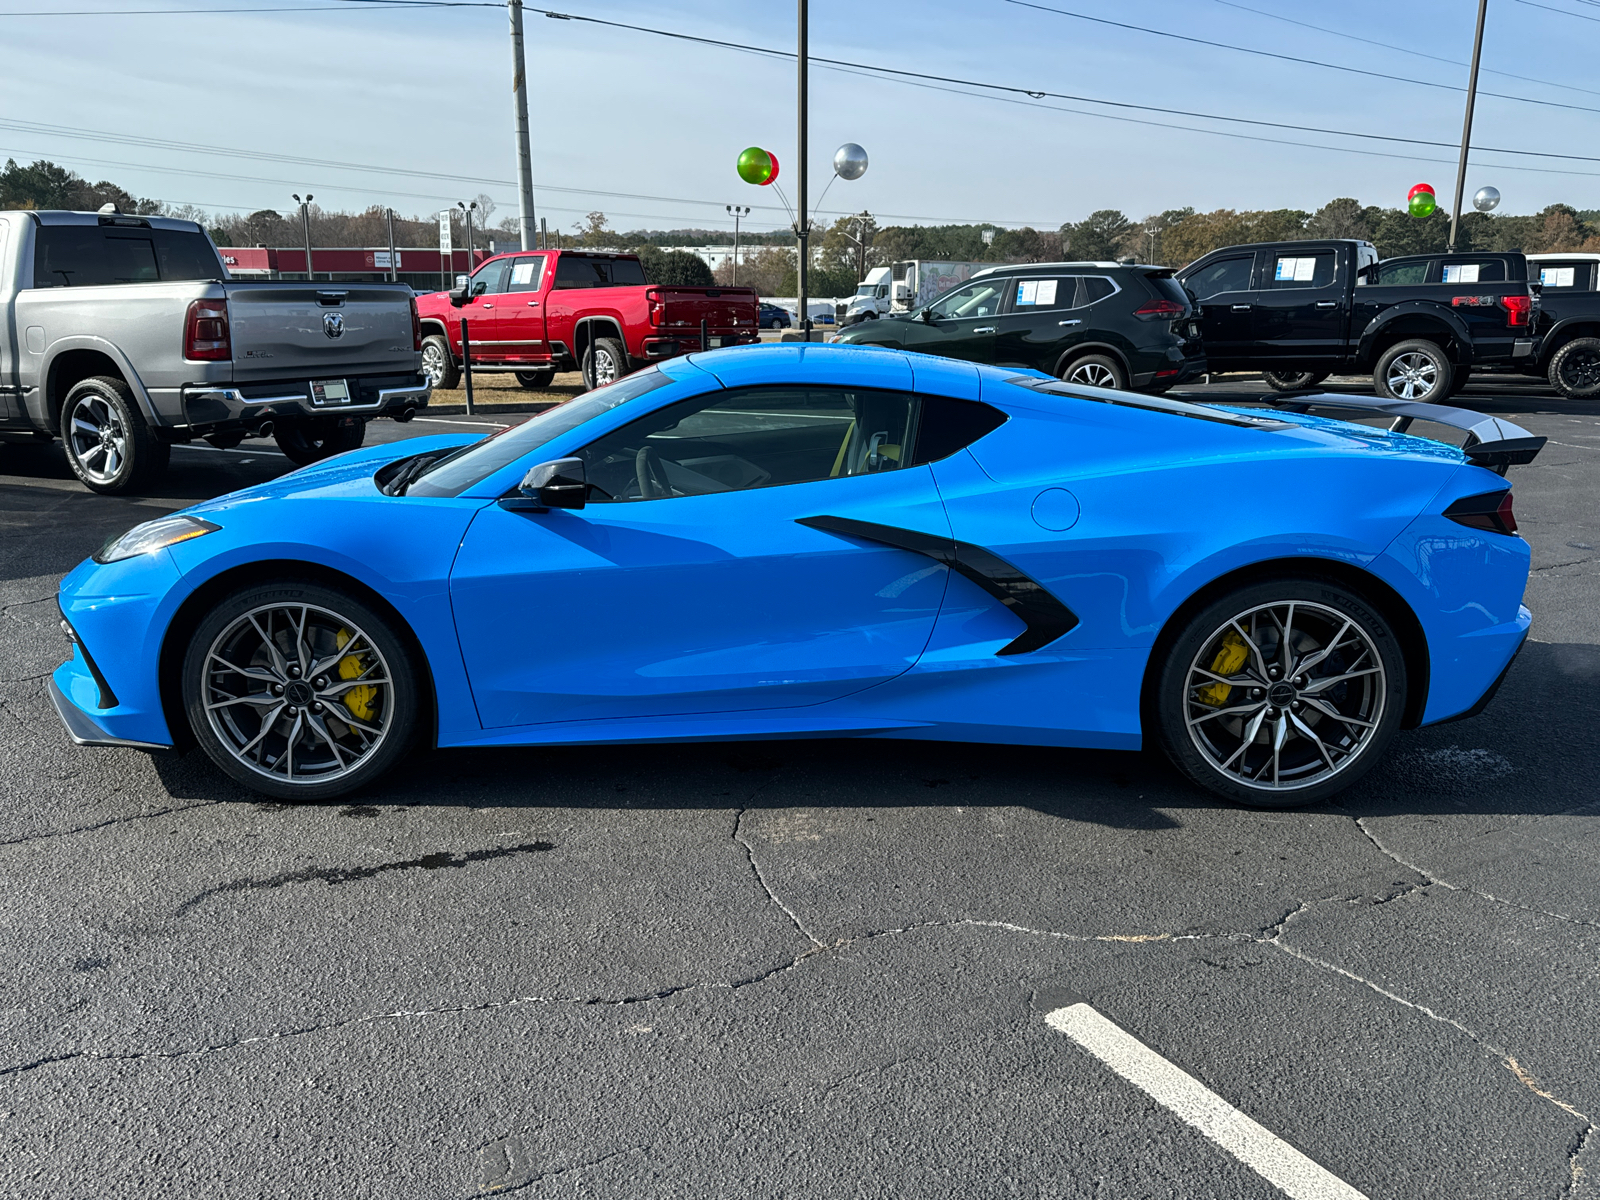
[[122, 335]]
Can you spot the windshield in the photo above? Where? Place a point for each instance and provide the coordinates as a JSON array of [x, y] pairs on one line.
[[473, 464]]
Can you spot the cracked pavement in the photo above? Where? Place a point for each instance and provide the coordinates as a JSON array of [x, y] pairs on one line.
[[803, 968]]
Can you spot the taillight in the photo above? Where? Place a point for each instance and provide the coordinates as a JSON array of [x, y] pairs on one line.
[[1518, 310], [205, 331], [416, 326], [656, 306], [1161, 310], [1490, 511]]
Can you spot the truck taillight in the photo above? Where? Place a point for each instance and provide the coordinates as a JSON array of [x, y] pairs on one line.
[[656, 306], [416, 326], [205, 332], [1519, 311], [1161, 310]]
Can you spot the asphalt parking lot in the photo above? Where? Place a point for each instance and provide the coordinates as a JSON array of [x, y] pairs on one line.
[[802, 969]]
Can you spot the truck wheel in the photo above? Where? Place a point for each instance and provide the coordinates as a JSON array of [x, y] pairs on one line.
[[1413, 370], [536, 379], [1462, 376], [109, 446], [306, 442], [438, 364], [1575, 369], [605, 361], [1293, 381], [1096, 370]]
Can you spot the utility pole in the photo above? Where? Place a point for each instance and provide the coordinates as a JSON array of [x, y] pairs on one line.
[[305, 226], [1466, 125], [394, 256], [544, 234], [526, 223], [468, 209], [802, 225], [736, 211]]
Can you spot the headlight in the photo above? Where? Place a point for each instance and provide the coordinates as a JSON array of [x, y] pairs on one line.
[[153, 536]]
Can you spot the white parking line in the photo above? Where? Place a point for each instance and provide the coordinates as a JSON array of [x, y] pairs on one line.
[[1195, 1104], [220, 450]]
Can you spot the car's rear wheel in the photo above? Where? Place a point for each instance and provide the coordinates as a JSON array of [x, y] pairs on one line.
[[1575, 369], [110, 447], [306, 442], [1096, 370], [536, 379], [1282, 693], [1413, 370], [438, 364], [605, 361], [1293, 381], [300, 691]]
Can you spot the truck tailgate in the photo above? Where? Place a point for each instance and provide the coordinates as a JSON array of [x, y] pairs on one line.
[[720, 308], [319, 329]]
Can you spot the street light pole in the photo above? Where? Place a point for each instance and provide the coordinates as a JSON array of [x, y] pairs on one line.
[[394, 257], [526, 223], [1466, 125], [468, 208], [736, 211], [305, 226], [802, 227]]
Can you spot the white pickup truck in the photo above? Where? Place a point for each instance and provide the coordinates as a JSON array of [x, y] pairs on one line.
[[123, 335]]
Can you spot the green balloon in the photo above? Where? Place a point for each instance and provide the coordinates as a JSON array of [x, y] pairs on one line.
[[755, 165], [1422, 204]]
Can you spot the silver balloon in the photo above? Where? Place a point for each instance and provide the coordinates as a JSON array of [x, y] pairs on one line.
[[849, 161], [1487, 199]]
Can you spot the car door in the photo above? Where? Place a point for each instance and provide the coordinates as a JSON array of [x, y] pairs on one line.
[[481, 310], [962, 323], [1039, 326], [521, 312], [1224, 291], [688, 584], [1302, 312]]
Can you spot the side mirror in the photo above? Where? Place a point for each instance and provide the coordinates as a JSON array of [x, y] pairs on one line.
[[560, 483], [458, 296], [927, 316]]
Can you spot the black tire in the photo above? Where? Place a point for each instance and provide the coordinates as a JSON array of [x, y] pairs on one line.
[[1200, 726], [1459, 380], [1417, 370], [536, 379], [439, 364], [110, 447], [1096, 370], [1293, 381], [1575, 369], [308, 441], [234, 735], [605, 361]]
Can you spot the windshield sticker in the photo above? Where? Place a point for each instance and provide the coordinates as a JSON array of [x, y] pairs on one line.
[[1558, 276], [1027, 292], [1461, 273], [1047, 291], [1296, 270], [523, 272]]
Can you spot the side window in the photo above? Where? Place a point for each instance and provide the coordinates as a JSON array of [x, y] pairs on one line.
[[1225, 275], [527, 274], [1037, 293], [751, 438], [980, 299], [490, 277], [1094, 288], [578, 271], [1491, 271], [947, 425], [1293, 270], [1568, 275], [1403, 272]]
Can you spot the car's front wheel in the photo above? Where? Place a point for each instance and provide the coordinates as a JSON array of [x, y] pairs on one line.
[[1282, 693], [439, 364], [300, 691]]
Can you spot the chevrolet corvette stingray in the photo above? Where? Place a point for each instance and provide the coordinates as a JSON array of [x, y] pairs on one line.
[[826, 541]]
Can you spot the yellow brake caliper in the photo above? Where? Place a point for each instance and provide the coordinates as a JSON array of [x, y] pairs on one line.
[[361, 699], [1230, 657]]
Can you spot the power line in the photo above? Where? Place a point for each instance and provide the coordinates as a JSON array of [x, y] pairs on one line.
[[1562, 11], [167, 12]]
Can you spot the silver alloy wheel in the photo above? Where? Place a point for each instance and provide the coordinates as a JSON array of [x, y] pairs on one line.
[[99, 441], [1284, 696], [297, 693], [1411, 375], [1093, 374], [605, 367], [433, 362]]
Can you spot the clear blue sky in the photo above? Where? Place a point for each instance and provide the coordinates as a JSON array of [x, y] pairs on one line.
[[626, 112]]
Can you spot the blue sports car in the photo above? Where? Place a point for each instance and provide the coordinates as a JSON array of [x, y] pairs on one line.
[[824, 541]]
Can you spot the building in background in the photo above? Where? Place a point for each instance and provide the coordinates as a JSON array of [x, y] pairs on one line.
[[352, 264]]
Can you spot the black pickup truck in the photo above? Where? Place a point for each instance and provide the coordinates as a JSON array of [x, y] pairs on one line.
[[1569, 323], [1301, 311]]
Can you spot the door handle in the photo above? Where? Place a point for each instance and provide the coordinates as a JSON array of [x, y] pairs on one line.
[[533, 304], [985, 329], [1069, 322], [488, 306], [1242, 307], [1327, 304]]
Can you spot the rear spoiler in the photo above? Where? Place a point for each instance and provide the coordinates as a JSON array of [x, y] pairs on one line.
[[1491, 442]]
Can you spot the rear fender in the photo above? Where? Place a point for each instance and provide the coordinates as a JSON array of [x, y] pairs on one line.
[[1447, 327], [51, 396]]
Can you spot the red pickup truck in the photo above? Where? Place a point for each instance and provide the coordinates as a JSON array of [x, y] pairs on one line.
[[536, 312]]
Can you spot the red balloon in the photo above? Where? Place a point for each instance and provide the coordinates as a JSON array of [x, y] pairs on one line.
[[1421, 187], [768, 182]]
